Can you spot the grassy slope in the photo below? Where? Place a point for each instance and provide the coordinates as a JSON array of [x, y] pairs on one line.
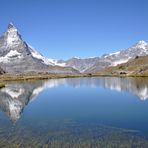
[[10, 77]]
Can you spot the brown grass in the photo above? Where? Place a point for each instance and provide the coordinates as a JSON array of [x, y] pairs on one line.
[[137, 67], [2, 85], [27, 77]]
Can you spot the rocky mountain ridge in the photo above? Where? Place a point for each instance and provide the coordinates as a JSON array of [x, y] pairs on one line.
[[16, 56], [89, 65]]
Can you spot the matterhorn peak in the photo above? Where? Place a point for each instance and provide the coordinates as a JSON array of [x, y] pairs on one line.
[[13, 36], [10, 25], [11, 28]]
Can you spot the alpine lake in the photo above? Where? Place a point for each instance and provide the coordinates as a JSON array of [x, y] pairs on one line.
[[97, 112]]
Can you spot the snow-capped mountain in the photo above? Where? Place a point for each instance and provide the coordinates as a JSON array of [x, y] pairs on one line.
[[93, 64], [139, 49], [17, 56]]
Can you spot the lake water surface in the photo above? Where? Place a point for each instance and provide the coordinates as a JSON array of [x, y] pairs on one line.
[[75, 112]]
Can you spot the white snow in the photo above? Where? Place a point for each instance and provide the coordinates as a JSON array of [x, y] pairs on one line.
[[91, 57], [13, 93], [115, 63], [114, 53], [56, 63], [127, 86], [46, 61], [15, 107], [37, 55], [13, 37], [143, 93], [37, 91], [141, 44], [116, 87], [13, 54], [12, 106], [49, 84], [76, 57]]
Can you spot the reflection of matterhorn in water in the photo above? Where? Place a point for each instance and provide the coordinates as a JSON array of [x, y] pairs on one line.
[[15, 96]]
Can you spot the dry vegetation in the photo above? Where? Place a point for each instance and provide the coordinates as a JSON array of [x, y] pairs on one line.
[[136, 67], [2, 85], [38, 76]]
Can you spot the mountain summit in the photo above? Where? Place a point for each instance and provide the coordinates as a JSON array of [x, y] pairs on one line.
[[12, 35], [16, 56], [142, 44]]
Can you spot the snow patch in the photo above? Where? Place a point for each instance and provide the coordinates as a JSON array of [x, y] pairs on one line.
[[49, 84], [143, 94], [111, 54], [115, 63], [76, 57], [46, 61], [37, 55], [115, 53], [13, 54], [15, 107], [13, 37], [12, 92], [91, 57], [141, 44]]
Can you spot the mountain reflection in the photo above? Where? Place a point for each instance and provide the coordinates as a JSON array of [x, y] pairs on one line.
[[136, 86], [15, 96]]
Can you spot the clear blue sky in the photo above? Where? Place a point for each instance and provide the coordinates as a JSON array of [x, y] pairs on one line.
[[65, 28]]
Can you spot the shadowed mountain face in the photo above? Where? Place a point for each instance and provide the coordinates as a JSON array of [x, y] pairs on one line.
[[1, 71], [15, 96]]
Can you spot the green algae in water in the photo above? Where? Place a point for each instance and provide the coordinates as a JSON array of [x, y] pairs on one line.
[[71, 134]]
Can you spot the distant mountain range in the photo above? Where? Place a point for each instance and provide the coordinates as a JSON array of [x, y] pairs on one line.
[[16, 56], [93, 64]]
